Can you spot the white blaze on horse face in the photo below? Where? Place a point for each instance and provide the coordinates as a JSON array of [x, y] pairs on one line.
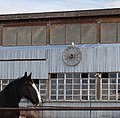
[[38, 94]]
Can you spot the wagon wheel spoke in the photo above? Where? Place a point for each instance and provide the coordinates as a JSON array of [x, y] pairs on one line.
[[72, 55]]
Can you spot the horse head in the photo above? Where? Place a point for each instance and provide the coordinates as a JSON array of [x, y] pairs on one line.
[[29, 89]]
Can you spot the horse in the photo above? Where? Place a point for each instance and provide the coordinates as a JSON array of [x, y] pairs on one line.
[[11, 95]]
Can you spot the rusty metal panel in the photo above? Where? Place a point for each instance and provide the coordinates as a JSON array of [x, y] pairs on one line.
[[24, 35], [88, 33], [108, 32], [57, 34], [73, 33], [9, 35], [38, 35]]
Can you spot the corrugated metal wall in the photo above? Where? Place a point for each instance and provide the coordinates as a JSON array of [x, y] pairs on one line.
[[15, 61], [81, 114], [95, 58], [41, 60]]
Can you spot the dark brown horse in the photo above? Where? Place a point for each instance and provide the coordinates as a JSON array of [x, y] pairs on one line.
[[11, 95]]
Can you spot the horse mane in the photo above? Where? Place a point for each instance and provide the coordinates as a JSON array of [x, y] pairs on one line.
[[6, 95]]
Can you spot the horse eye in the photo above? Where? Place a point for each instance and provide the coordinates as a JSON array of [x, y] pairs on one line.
[[30, 83]]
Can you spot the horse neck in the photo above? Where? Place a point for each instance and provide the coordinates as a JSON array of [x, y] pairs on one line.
[[10, 95]]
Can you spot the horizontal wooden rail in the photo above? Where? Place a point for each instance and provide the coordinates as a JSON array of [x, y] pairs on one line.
[[54, 108]]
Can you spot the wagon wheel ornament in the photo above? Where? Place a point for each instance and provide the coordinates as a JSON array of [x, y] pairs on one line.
[[72, 55]]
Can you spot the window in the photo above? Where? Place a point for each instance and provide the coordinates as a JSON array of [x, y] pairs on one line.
[[109, 86], [108, 32], [24, 35], [10, 36], [4, 83], [72, 87], [41, 85], [57, 34], [89, 88], [88, 33], [73, 33], [39, 35]]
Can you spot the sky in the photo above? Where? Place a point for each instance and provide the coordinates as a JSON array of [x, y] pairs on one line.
[[38, 6]]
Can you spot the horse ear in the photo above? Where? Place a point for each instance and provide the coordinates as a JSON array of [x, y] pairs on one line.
[[25, 75], [29, 76]]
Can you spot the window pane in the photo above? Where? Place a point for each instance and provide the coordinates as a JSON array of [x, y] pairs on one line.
[[76, 86], [84, 81], [53, 86], [68, 97], [108, 32], [73, 33], [53, 75], [119, 75], [61, 91], [84, 97], [84, 75], [10, 35], [105, 75], [68, 75], [76, 81], [104, 97], [76, 75], [60, 97], [53, 91], [53, 97], [112, 97], [92, 75], [76, 97], [92, 81], [104, 80], [92, 97], [113, 75], [60, 75], [57, 34], [118, 34], [53, 82], [38, 35], [24, 35], [68, 91], [68, 86], [1, 35], [76, 92], [61, 81], [88, 33]]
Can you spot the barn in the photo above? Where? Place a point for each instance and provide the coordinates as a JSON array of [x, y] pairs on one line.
[[74, 57]]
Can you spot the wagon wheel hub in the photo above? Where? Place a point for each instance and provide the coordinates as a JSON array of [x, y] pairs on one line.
[[72, 55]]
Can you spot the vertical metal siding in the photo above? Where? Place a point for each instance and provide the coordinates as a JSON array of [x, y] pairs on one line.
[[82, 114], [95, 58], [14, 69]]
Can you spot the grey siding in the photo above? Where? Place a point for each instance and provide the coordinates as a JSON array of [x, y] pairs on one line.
[[82, 114], [95, 58], [48, 59], [14, 62]]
